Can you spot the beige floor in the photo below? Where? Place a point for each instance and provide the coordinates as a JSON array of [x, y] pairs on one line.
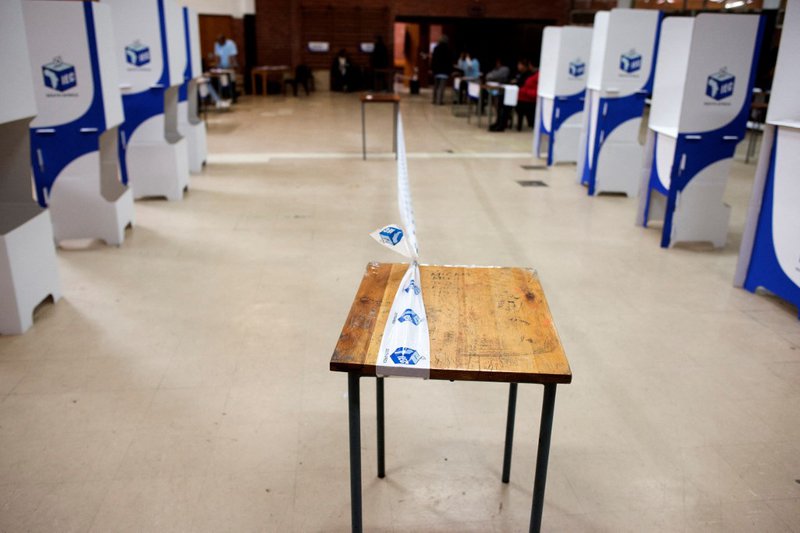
[[182, 383]]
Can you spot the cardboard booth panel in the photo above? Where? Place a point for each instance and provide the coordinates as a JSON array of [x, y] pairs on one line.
[[18, 100], [107, 61], [573, 57], [670, 77], [786, 202], [195, 63], [548, 61], [784, 104], [58, 47], [597, 54], [176, 41], [137, 25], [718, 75]]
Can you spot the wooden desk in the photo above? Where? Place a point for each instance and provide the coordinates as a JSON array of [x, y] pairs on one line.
[[486, 324], [378, 98], [264, 72]]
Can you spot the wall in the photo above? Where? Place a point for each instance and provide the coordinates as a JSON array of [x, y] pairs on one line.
[[280, 22], [234, 8]]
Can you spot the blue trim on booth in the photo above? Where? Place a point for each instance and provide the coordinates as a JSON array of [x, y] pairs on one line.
[[64, 143], [141, 106], [705, 148], [619, 111], [183, 92], [563, 108], [764, 269]]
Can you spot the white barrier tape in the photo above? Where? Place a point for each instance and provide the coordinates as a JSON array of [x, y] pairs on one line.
[[405, 346]]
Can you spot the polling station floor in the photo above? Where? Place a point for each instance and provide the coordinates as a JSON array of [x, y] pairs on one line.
[[182, 383]]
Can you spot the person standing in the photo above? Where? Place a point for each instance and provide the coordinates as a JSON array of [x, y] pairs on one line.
[[379, 61], [225, 51], [442, 66]]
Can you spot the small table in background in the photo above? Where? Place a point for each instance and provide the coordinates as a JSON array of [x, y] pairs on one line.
[[264, 72], [486, 324], [378, 98]]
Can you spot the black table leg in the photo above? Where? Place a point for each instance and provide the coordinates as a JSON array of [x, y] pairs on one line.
[[363, 134], [381, 446], [354, 404], [512, 410], [540, 479]]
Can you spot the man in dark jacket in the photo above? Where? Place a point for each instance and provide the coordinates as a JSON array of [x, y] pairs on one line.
[[442, 66]]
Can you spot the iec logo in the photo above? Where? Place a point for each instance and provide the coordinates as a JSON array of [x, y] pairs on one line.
[[720, 85], [59, 75], [630, 62], [412, 287], [137, 54], [411, 316], [405, 356], [577, 68], [391, 235]]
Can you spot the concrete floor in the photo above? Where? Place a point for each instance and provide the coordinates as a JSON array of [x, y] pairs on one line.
[[182, 383]]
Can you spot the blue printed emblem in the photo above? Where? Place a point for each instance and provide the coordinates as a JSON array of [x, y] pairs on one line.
[[410, 315], [391, 235], [59, 76], [630, 62], [137, 54], [577, 68], [720, 84], [412, 286], [405, 356]]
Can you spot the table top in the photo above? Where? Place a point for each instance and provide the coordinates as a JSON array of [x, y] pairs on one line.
[[486, 324], [269, 68], [380, 98]]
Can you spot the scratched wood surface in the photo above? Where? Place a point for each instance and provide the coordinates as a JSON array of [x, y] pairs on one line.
[[379, 98], [486, 324]]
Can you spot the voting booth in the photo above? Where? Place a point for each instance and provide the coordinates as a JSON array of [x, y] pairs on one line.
[[150, 49], [190, 125], [621, 68], [770, 253], [560, 95], [74, 136], [701, 102], [28, 266]]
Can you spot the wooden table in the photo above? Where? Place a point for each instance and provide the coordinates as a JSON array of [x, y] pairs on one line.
[[264, 72], [486, 324], [378, 98]]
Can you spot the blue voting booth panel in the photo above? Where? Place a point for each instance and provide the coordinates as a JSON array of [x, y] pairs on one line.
[[563, 108], [74, 82], [709, 118], [621, 72], [775, 260]]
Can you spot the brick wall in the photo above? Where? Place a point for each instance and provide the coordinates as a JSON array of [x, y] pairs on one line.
[[279, 23]]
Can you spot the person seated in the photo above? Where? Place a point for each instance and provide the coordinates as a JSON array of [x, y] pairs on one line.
[[503, 111], [471, 69], [499, 74], [526, 103]]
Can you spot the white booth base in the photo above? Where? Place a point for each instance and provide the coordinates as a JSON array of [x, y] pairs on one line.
[[82, 207], [195, 135], [567, 146], [618, 164], [158, 169], [28, 267]]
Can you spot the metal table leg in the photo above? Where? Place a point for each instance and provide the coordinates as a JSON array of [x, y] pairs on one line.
[[381, 445], [512, 409], [363, 134], [354, 405], [542, 456]]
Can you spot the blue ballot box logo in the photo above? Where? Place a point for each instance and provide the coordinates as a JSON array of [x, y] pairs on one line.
[[412, 287], [577, 68], [59, 76], [391, 235], [410, 316], [720, 84], [630, 61], [405, 356], [137, 54]]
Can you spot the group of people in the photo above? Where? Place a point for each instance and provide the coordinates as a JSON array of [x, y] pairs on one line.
[[468, 69]]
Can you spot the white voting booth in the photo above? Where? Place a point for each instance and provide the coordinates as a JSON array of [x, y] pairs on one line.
[[74, 136], [190, 125], [621, 67], [701, 101], [770, 253], [560, 95], [28, 267], [150, 49]]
